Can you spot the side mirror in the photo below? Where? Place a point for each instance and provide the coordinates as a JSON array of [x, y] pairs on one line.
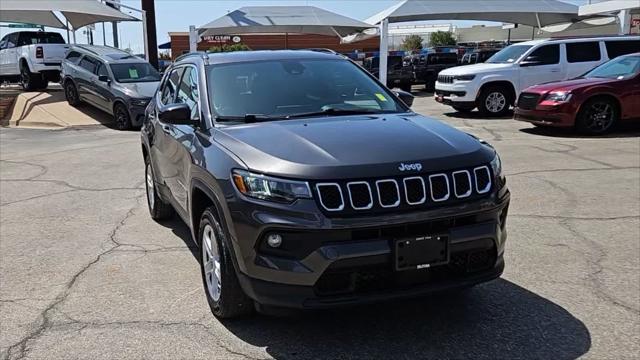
[[104, 78], [176, 114], [405, 96]]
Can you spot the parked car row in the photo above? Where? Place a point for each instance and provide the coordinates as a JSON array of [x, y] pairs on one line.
[[495, 86]]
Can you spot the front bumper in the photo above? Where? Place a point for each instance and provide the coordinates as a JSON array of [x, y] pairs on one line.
[[457, 92], [562, 115], [136, 114], [333, 262]]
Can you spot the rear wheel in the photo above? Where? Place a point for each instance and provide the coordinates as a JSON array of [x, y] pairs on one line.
[[597, 116], [494, 101], [158, 208], [30, 81], [224, 294], [71, 93], [121, 116], [462, 109]]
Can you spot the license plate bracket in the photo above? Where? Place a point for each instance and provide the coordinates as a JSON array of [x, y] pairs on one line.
[[421, 252]]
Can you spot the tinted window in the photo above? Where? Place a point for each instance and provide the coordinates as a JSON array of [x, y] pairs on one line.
[[3, 42], [281, 88], [12, 39], [135, 72], [617, 48], [38, 37], [188, 91], [583, 51], [509, 54], [73, 56], [442, 58], [88, 64], [102, 70], [545, 55], [170, 86], [620, 68]]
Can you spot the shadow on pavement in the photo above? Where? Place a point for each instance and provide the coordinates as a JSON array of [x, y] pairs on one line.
[[476, 115], [621, 131]]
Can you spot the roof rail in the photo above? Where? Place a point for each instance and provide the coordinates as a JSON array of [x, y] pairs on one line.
[[569, 37], [86, 48], [202, 54]]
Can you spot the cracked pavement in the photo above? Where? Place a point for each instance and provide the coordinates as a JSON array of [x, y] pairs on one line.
[[85, 272]]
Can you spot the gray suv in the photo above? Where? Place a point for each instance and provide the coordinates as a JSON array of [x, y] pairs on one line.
[[110, 79]]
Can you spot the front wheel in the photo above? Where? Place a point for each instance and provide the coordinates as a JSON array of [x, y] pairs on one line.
[[224, 294], [494, 101], [597, 116], [121, 117]]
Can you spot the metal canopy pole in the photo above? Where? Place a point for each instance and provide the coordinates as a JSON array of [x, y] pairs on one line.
[[144, 34], [384, 50]]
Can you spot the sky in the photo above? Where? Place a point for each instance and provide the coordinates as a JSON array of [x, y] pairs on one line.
[[177, 15]]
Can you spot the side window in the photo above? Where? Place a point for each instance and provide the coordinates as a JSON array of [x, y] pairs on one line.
[[583, 51], [545, 55], [88, 64], [170, 86], [102, 70], [12, 39], [621, 47], [188, 91], [3, 42], [73, 56]]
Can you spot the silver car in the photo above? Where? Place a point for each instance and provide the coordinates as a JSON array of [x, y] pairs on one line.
[[111, 80]]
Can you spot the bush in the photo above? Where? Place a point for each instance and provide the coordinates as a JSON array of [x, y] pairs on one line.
[[442, 38], [229, 48], [412, 42]]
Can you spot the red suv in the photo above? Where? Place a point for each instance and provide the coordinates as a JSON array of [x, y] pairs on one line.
[[593, 103]]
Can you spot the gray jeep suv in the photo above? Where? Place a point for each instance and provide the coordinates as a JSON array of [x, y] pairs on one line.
[[111, 80], [308, 184]]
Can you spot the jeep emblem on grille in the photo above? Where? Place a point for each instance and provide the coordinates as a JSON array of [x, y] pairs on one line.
[[407, 167]]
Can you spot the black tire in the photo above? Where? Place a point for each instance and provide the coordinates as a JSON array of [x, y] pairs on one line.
[[494, 101], [71, 93], [121, 117], [462, 109], [158, 208], [30, 81], [406, 87], [231, 300], [597, 116]]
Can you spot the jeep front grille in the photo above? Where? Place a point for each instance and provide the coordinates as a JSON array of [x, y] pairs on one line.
[[405, 193], [445, 79]]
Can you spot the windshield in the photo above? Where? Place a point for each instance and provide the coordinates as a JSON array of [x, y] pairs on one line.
[[620, 68], [509, 55], [290, 88], [135, 72]]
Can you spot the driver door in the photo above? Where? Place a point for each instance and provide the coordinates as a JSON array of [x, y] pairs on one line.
[[541, 66]]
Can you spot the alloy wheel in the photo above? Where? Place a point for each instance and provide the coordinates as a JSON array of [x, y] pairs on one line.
[[211, 262], [600, 116], [495, 102], [150, 187]]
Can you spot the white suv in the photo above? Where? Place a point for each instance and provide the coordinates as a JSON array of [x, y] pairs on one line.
[[495, 85]]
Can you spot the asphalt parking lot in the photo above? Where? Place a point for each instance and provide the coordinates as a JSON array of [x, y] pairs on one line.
[[85, 272]]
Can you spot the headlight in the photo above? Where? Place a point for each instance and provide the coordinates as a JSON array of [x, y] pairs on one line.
[[496, 167], [140, 102], [464, 77], [558, 96], [269, 188]]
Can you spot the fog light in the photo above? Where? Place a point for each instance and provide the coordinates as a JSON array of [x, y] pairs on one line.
[[274, 240]]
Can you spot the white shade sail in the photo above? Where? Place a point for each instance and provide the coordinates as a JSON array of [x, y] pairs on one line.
[[526, 12], [79, 13], [609, 7], [283, 19]]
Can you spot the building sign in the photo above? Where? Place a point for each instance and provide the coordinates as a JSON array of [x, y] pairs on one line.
[[635, 24], [222, 39]]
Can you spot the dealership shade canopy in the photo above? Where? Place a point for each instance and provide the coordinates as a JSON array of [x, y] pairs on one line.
[[283, 20], [79, 13], [609, 7]]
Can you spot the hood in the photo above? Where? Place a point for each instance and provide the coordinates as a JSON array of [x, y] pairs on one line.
[[140, 89], [352, 146], [568, 85], [475, 69]]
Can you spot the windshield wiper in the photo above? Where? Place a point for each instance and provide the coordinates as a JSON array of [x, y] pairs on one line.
[[247, 118], [333, 111]]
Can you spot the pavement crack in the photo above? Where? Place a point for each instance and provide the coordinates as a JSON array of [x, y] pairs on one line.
[[43, 169], [567, 170]]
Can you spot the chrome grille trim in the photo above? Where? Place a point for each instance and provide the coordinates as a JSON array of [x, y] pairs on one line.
[[444, 198], [378, 182], [488, 187], [351, 198], [406, 193], [455, 188], [320, 185]]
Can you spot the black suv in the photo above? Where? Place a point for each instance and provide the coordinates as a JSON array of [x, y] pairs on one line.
[[426, 67], [308, 184], [398, 73]]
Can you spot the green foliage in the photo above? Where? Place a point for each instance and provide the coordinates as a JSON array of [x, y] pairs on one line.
[[229, 48], [442, 38], [412, 42]]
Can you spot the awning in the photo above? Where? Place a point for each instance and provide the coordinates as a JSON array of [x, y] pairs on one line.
[[165, 46], [611, 6], [283, 20], [79, 13]]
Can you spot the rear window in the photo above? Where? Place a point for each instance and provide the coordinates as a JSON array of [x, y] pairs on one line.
[[621, 47], [583, 51], [35, 37], [73, 56]]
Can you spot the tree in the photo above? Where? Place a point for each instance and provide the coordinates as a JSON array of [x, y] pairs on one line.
[[229, 48], [442, 38], [412, 42]]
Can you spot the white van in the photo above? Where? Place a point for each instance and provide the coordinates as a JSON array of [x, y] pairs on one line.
[[495, 85]]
